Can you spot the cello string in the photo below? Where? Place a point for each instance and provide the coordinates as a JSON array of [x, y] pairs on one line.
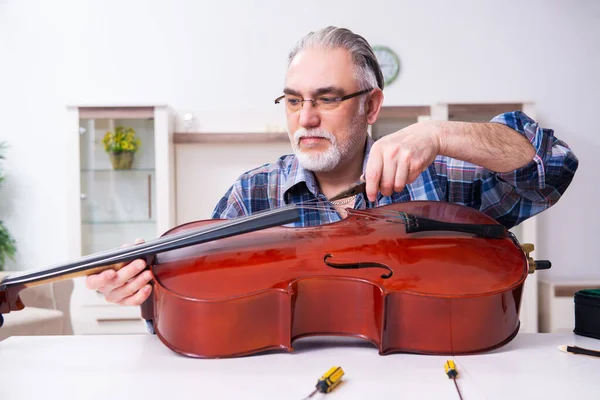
[[319, 205], [380, 215], [113, 255]]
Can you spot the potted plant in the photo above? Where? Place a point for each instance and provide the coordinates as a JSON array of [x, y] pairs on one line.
[[7, 243], [121, 146]]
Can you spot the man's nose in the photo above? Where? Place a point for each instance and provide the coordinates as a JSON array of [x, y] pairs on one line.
[[309, 116]]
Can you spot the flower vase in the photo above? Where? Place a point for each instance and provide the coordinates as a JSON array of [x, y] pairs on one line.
[[122, 160]]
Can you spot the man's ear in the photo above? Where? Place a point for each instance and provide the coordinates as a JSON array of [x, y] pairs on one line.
[[373, 105]]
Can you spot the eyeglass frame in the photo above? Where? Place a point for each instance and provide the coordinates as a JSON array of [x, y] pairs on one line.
[[338, 99]]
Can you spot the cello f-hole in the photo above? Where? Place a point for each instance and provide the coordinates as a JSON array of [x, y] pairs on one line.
[[358, 265]]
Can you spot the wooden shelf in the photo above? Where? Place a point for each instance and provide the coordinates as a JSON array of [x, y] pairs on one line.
[[116, 112], [205, 137], [399, 112], [482, 109], [385, 114]]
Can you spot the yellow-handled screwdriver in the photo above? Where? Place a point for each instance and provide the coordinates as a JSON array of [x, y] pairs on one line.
[[452, 373], [328, 382]]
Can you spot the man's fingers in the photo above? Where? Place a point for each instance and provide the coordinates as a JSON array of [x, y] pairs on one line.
[[413, 175], [130, 288], [97, 281], [401, 176], [127, 272], [123, 285], [386, 183], [138, 298], [373, 173]]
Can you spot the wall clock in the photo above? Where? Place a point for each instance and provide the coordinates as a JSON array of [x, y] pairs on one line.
[[388, 62]]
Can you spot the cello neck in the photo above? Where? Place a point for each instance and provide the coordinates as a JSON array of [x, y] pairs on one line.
[[117, 258]]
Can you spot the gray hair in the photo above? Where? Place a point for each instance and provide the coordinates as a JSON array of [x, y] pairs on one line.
[[366, 68]]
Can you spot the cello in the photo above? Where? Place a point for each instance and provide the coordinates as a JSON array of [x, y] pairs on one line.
[[422, 277]]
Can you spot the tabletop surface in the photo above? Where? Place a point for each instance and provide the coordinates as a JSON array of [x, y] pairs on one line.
[[142, 367]]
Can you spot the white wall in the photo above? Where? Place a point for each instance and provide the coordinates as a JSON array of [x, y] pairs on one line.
[[200, 185], [225, 61]]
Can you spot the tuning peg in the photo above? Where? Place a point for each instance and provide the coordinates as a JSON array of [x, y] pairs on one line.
[[534, 264]]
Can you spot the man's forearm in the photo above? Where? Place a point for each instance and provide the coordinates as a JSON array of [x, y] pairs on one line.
[[493, 146]]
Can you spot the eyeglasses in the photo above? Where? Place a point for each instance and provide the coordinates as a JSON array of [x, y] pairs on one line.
[[325, 102]]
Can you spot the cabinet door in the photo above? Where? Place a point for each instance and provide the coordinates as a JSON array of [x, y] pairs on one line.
[[117, 207], [116, 204]]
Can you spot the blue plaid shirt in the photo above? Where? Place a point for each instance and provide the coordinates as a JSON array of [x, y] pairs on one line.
[[509, 197]]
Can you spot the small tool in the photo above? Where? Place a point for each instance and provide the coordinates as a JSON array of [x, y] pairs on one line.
[[452, 373], [356, 188], [579, 350], [329, 381]]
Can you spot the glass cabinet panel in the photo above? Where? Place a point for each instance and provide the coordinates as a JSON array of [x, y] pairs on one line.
[[117, 205]]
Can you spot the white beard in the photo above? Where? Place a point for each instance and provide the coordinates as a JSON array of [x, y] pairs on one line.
[[329, 159]]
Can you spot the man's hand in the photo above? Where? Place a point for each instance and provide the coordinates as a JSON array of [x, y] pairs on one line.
[[126, 287], [397, 159]]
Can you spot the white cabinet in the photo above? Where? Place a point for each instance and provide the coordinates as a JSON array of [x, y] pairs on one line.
[[111, 207]]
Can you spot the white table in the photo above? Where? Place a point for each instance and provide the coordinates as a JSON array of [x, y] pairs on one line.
[[141, 367]]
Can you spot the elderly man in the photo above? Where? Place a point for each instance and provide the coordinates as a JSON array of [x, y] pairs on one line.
[[510, 168]]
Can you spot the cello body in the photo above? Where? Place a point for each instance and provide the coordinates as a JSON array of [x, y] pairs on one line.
[[430, 292]]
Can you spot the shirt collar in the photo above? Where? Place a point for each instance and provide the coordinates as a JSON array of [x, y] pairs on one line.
[[297, 175]]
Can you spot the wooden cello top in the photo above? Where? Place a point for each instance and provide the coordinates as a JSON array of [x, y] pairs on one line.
[[429, 263]]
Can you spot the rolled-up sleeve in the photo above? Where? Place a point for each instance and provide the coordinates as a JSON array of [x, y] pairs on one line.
[[547, 176], [553, 167], [537, 185], [512, 197]]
